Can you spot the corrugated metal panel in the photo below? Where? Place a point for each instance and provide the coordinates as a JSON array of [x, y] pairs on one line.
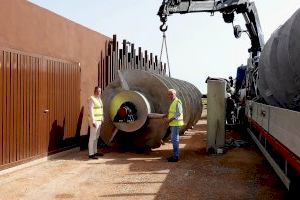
[[43, 114], [1, 107], [14, 111], [39, 105], [40, 97], [6, 106], [21, 107], [64, 102], [18, 114]]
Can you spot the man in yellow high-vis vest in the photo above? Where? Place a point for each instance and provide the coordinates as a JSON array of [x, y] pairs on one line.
[[175, 120], [95, 107]]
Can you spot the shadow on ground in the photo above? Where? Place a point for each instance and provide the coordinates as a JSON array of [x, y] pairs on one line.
[[241, 173]]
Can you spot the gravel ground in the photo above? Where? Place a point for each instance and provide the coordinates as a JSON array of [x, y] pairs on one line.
[[241, 173]]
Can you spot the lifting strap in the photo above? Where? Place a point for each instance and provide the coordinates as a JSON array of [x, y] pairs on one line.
[[164, 43]]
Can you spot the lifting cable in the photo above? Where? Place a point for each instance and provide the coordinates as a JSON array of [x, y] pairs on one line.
[[164, 43]]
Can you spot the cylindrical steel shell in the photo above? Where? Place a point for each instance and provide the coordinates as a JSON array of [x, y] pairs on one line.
[[148, 92], [279, 66]]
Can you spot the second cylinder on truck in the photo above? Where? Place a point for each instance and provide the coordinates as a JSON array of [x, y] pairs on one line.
[[279, 66]]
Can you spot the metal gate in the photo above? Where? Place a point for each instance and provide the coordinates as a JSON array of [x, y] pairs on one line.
[[39, 105]]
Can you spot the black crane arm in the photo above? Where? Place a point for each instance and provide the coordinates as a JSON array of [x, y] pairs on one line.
[[228, 8]]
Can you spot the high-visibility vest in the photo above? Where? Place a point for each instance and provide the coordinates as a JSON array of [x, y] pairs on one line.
[[97, 109], [172, 111]]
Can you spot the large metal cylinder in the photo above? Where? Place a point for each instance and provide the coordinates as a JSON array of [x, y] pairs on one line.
[[143, 94], [279, 66]]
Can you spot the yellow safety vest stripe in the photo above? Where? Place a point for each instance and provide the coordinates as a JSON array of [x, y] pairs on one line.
[[97, 109], [172, 111]]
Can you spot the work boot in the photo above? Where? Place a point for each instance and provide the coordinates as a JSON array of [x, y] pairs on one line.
[[93, 157], [172, 159], [99, 154]]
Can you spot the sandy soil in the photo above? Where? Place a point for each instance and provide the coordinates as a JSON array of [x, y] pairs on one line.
[[241, 173]]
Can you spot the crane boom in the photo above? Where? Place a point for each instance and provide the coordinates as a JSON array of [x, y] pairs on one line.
[[228, 8]]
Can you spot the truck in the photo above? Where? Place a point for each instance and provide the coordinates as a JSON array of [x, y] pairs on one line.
[[271, 102]]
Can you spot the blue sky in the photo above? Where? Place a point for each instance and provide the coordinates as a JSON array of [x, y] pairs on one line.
[[199, 45]]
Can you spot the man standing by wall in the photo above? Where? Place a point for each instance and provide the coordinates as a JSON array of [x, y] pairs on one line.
[[175, 120], [95, 121]]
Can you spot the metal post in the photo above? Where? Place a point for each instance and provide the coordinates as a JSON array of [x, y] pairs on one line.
[[216, 115]]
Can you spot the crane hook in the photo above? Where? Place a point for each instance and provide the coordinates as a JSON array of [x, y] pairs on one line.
[[163, 27]]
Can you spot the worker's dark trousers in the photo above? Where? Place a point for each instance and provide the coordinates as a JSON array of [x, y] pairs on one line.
[[175, 140]]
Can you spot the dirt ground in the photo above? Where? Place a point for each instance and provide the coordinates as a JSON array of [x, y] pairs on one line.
[[241, 173]]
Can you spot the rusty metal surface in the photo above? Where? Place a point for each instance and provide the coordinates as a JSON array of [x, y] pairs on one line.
[[1, 105], [63, 101], [54, 36], [153, 87], [125, 58], [30, 85], [65, 41]]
